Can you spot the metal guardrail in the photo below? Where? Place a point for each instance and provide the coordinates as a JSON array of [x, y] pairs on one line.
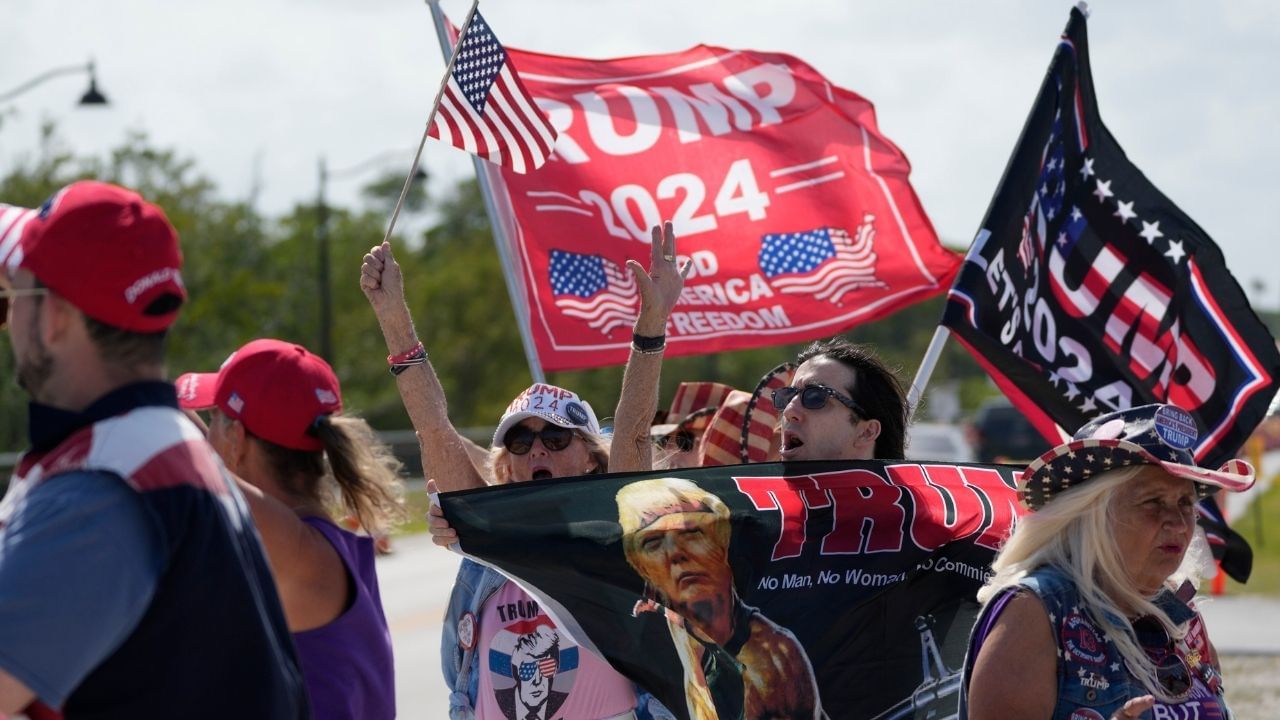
[[404, 443]]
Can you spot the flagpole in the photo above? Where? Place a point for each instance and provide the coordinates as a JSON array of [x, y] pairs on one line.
[[940, 335], [450, 58], [500, 238], [930, 360]]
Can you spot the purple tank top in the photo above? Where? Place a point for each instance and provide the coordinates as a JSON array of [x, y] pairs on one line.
[[347, 664]]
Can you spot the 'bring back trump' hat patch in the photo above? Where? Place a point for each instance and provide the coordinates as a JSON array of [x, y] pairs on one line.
[[1157, 434]]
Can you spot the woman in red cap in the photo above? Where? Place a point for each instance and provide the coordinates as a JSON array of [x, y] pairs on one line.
[[277, 423], [1087, 616]]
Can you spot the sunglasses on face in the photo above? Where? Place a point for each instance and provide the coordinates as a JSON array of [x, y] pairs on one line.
[[519, 439], [7, 295], [681, 440], [813, 396], [546, 667]]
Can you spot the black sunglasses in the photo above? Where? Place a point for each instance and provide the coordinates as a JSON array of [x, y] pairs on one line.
[[683, 440], [519, 439], [813, 397], [1171, 670]]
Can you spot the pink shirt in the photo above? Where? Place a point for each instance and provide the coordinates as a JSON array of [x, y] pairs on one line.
[[530, 670]]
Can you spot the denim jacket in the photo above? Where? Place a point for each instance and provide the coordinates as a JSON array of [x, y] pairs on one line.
[[460, 662], [1093, 681]]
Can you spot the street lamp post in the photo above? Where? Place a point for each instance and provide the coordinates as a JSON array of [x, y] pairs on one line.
[[91, 97], [322, 246], [325, 342]]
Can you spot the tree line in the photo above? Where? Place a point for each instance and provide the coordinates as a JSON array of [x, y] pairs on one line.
[[250, 275]]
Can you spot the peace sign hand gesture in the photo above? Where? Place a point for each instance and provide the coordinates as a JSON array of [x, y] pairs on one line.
[[660, 287]]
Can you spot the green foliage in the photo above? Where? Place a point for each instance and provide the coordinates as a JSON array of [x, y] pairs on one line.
[[251, 277], [385, 190], [1260, 525]]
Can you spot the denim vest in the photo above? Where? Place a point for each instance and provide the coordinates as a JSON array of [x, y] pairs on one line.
[[1093, 681], [460, 662]]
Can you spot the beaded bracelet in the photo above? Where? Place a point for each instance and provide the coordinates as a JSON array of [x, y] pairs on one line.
[[415, 355], [407, 355]]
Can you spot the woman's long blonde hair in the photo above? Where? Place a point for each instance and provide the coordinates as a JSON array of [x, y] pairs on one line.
[[1075, 534], [355, 475]]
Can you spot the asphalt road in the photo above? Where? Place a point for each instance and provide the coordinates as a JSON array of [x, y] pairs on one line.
[[415, 582]]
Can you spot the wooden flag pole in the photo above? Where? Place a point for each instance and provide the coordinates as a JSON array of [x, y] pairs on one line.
[[450, 59], [500, 238]]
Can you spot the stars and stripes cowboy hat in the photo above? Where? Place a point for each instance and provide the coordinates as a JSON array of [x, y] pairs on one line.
[[1158, 434]]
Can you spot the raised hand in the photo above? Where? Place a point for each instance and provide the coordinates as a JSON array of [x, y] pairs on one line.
[[660, 287], [380, 278]]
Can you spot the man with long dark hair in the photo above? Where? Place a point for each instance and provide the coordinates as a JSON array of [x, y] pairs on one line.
[[843, 403]]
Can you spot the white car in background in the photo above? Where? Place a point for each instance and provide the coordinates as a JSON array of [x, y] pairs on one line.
[[938, 441]]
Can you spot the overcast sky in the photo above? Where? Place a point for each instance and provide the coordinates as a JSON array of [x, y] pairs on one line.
[[1188, 88]]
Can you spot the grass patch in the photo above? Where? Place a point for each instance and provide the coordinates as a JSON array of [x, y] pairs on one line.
[[1260, 525], [416, 503]]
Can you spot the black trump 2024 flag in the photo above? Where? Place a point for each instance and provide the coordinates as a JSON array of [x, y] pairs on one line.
[[1087, 290], [802, 590]]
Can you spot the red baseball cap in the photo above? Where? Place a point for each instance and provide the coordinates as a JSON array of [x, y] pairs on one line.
[[276, 389], [108, 252]]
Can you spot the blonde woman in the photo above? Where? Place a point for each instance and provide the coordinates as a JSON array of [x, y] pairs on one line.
[[1087, 615]]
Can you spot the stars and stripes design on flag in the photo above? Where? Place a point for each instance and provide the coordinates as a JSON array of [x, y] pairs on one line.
[[12, 220], [594, 289], [1229, 548], [1088, 290], [1047, 205], [486, 110], [824, 262]]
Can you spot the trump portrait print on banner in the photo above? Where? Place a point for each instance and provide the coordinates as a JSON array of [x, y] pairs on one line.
[[794, 590]]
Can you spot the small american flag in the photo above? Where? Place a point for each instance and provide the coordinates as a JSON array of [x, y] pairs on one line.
[[826, 262], [486, 110], [594, 289]]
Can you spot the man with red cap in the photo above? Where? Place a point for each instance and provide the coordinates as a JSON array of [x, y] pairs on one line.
[[132, 582]]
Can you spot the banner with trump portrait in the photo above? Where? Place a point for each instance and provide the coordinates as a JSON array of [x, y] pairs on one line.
[[799, 590], [794, 211]]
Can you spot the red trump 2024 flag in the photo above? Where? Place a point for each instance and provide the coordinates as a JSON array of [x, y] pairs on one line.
[[794, 210]]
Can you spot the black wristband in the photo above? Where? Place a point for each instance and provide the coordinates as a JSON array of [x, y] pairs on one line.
[[648, 344]]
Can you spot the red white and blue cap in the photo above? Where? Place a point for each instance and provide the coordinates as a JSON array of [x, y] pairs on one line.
[[1156, 434], [554, 405], [276, 389]]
